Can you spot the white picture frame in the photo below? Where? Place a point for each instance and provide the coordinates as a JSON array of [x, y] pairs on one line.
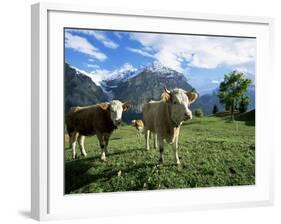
[[47, 198]]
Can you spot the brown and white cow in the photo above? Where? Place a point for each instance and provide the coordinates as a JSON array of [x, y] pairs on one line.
[[100, 119], [164, 118], [138, 124]]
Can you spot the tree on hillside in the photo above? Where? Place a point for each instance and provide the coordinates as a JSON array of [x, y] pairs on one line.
[[243, 104], [232, 89], [215, 109], [198, 112]]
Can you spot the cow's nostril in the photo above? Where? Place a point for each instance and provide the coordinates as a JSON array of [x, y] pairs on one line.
[[118, 122], [187, 115]]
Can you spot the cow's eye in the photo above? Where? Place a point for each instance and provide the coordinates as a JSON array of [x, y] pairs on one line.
[[175, 102]]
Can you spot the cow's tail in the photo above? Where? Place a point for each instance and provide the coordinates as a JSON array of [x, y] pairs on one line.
[[69, 131], [68, 122]]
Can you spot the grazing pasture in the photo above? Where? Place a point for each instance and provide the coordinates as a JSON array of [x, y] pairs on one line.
[[213, 152]]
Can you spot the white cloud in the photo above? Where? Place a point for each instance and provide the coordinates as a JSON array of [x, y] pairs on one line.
[[92, 66], [98, 75], [141, 52], [126, 67], [198, 51], [99, 35], [81, 45], [215, 81], [247, 69], [118, 34]]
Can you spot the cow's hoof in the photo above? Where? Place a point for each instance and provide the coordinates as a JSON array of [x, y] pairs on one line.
[[161, 161], [85, 155], [103, 159], [178, 163], [74, 157]]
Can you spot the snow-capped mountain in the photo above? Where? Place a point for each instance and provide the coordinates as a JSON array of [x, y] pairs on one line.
[[110, 81], [121, 74], [128, 71], [158, 67], [79, 89], [137, 85], [146, 84], [124, 73]]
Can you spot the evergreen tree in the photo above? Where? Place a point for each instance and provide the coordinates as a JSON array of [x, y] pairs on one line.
[[215, 109]]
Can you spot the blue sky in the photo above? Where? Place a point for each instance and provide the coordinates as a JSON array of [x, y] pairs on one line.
[[203, 59]]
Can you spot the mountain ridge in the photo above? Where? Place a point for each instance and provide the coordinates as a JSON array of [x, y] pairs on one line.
[[79, 89], [137, 86]]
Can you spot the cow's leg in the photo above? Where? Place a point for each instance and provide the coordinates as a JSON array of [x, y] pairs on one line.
[[147, 133], [175, 149], [161, 148], [73, 140], [177, 142], [81, 140], [69, 141], [177, 138], [137, 134], [155, 141], [102, 146], [106, 140]]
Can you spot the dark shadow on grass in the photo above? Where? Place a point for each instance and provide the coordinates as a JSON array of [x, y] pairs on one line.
[[111, 152], [119, 152], [77, 170], [192, 122], [71, 183], [227, 120], [247, 122], [250, 123], [116, 138]]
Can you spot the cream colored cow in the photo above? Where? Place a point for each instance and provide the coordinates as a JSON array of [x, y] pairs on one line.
[[165, 117]]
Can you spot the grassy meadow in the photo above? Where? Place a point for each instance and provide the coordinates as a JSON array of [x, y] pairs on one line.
[[213, 152]]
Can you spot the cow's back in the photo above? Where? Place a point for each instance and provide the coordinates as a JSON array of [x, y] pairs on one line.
[[152, 115], [90, 120], [156, 119]]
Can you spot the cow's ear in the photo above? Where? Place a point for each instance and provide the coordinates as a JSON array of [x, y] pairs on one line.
[[104, 106], [126, 106], [192, 96], [166, 95], [74, 109]]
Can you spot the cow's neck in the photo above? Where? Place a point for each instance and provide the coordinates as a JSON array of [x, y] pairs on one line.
[[169, 118], [171, 127], [107, 124]]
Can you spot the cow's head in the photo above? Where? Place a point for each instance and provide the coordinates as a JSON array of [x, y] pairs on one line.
[[116, 109], [179, 101]]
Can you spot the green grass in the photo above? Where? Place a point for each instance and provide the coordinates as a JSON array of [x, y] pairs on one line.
[[213, 152]]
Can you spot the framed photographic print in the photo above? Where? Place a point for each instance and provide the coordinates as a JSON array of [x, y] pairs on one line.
[[138, 111]]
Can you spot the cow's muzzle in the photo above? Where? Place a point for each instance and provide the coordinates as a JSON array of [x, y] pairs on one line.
[[117, 122], [188, 116]]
